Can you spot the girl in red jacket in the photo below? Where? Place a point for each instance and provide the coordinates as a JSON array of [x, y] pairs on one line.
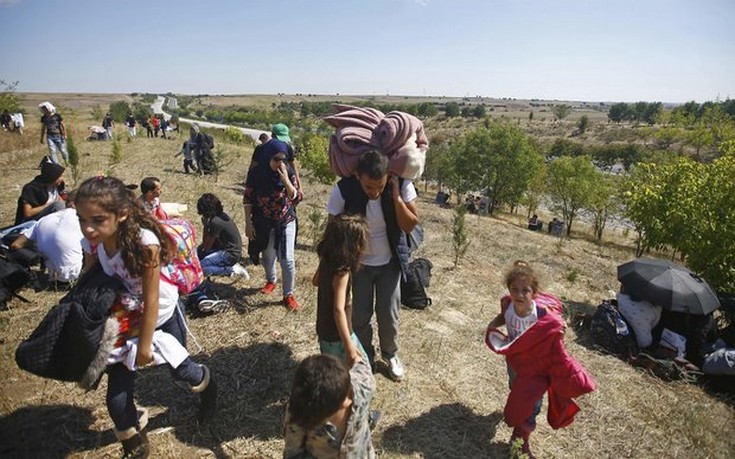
[[536, 358]]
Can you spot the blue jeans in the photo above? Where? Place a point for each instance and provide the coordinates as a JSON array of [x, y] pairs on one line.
[[57, 143], [217, 263], [121, 381], [337, 349], [382, 285], [531, 421], [285, 255]]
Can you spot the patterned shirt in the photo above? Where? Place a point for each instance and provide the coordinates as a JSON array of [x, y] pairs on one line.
[[52, 123], [276, 206], [323, 441]]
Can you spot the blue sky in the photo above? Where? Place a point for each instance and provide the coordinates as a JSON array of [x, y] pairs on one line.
[[594, 50]]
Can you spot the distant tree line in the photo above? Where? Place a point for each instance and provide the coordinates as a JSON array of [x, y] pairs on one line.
[[651, 112]]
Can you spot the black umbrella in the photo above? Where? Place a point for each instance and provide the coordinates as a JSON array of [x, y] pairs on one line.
[[668, 285]]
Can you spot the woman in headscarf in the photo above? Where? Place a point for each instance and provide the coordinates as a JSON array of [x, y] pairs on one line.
[[272, 191]]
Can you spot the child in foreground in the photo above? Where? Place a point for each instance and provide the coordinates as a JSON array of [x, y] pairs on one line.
[[339, 250], [536, 358], [328, 410], [130, 244]]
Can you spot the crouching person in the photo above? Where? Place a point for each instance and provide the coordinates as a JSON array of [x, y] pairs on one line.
[[328, 410]]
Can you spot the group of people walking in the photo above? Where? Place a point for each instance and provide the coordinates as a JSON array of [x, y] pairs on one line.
[[363, 255]]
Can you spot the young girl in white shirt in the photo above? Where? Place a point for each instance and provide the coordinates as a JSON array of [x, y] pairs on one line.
[[130, 244]]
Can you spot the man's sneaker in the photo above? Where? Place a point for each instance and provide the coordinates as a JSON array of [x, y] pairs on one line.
[[290, 302], [268, 289], [239, 271], [213, 305], [395, 367]]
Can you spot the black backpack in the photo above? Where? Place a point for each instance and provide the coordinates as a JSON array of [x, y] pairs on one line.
[[13, 277], [413, 289], [210, 140], [611, 332]]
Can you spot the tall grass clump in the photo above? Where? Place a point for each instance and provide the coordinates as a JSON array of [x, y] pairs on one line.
[[73, 157]]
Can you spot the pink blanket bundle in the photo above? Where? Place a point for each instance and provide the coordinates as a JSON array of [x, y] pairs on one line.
[[399, 135]]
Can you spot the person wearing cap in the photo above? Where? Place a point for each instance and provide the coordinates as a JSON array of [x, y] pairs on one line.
[[52, 126], [272, 191], [43, 195]]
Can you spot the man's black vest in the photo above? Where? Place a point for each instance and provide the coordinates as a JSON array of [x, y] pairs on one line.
[[356, 203]]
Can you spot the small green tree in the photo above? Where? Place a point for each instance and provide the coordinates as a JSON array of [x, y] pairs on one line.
[[116, 155], [119, 110], [233, 134], [460, 241], [604, 202], [570, 183], [73, 157], [451, 109], [561, 111], [314, 157], [9, 100], [583, 123]]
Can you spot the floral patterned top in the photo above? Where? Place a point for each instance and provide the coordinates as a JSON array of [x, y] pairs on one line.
[[272, 202]]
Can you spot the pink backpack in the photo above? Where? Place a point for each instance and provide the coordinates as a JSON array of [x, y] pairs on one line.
[[185, 270]]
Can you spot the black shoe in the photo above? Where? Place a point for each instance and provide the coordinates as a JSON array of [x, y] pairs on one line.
[[136, 447]]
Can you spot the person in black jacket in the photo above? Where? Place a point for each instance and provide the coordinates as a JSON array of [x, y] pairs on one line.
[[43, 195]]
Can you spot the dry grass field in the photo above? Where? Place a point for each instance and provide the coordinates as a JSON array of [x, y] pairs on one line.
[[450, 403]]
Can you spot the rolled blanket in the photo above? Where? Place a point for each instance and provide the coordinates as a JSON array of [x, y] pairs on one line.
[[400, 136]]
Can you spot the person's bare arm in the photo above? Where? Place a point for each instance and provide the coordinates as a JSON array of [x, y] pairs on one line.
[[151, 277], [339, 287], [20, 242], [406, 212]]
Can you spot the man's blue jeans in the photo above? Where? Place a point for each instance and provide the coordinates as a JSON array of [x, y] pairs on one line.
[[56, 143]]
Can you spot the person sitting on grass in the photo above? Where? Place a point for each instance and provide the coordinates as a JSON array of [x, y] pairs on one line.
[[221, 246], [43, 195], [58, 238], [150, 197], [328, 413]]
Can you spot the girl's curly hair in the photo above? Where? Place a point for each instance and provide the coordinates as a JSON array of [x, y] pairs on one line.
[[113, 196], [345, 238]]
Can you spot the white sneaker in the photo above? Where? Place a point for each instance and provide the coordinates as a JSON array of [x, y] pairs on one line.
[[239, 271], [213, 305], [397, 372]]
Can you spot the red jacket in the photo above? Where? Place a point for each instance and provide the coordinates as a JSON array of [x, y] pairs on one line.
[[541, 363]]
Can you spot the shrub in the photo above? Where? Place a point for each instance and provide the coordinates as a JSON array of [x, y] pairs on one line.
[[233, 134], [116, 154], [460, 241], [73, 157]]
